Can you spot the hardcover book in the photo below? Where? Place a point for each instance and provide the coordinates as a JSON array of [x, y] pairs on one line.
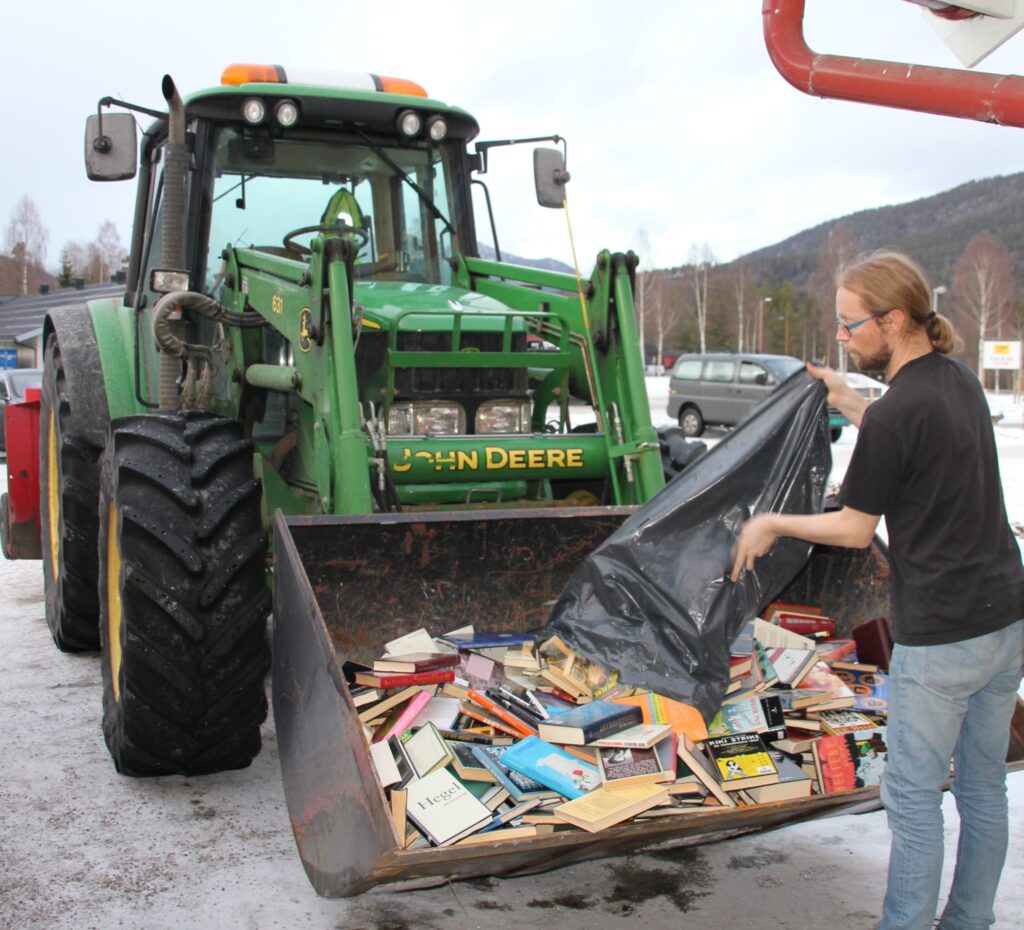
[[551, 766], [415, 662], [742, 761], [443, 809], [426, 750], [874, 642], [404, 679], [486, 639], [581, 725]]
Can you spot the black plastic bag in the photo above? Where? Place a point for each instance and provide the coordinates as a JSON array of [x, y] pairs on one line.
[[654, 600]]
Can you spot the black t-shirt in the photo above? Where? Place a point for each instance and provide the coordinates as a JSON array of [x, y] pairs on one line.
[[926, 459]]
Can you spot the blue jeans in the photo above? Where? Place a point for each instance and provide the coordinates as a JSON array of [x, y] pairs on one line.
[[954, 700]]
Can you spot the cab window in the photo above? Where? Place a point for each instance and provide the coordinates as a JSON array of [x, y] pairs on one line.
[[687, 369], [719, 371], [752, 373]]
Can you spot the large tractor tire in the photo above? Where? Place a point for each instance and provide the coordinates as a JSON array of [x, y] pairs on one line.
[[69, 497], [183, 595]]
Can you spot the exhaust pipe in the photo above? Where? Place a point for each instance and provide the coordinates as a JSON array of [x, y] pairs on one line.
[[172, 246]]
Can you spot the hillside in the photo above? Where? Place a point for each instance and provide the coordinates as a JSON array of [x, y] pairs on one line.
[[934, 230]]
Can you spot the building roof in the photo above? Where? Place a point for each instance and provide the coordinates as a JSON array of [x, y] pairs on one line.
[[23, 315]]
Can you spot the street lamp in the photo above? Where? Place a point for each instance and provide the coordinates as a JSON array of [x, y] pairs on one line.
[[760, 323], [938, 289]]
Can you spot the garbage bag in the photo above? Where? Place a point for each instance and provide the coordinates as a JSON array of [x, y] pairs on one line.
[[654, 600]]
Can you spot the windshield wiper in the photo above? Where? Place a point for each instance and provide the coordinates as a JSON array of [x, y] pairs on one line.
[[421, 193]]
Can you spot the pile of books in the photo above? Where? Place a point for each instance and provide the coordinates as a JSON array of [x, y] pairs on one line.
[[483, 737]]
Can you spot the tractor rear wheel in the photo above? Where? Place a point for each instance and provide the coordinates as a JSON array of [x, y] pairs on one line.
[[183, 595], [69, 497]]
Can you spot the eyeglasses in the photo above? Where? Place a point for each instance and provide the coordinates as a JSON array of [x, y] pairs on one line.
[[847, 328]]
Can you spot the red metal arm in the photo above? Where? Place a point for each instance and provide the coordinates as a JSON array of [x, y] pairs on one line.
[[989, 98]]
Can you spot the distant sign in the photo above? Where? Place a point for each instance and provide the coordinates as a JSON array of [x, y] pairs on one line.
[[1000, 356], [8, 358]]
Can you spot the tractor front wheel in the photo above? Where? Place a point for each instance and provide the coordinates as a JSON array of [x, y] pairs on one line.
[[184, 599]]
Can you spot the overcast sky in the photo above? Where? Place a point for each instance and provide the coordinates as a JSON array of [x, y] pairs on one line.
[[676, 121]]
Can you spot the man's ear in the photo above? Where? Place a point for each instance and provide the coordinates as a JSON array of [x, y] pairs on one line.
[[895, 321]]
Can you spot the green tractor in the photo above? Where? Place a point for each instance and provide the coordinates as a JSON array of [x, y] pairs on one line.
[[307, 326]]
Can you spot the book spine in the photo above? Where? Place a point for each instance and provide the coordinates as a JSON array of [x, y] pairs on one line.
[[404, 679], [414, 706], [501, 713], [479, 714], [596, 730]]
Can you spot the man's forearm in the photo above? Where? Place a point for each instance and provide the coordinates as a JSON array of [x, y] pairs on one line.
[[848, 528]]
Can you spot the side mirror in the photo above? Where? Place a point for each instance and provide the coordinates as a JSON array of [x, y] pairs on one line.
[[110, 147], [761, 378], [549, 177]]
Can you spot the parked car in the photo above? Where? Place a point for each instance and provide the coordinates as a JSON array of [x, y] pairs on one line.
[[721, 388], [13, 384], [869, 388]]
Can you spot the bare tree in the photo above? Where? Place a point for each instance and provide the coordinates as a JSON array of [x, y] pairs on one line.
[[109, 251], [837, 251], [702, 259], [25, 241], [983, 285], [739, 284]]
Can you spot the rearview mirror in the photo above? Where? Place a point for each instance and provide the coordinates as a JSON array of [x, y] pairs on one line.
[[549, 177], [110, 147]]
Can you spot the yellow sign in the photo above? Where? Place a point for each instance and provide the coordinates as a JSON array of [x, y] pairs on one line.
[[493, 458], [277, 304]]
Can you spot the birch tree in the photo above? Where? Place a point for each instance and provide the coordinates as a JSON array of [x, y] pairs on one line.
[[983, 285], [701, 260], [25, 241]]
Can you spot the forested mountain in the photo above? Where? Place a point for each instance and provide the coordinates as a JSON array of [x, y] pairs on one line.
[[935, 230]]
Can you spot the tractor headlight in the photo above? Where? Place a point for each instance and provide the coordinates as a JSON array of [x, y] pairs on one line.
[[504, 416], [254, 110], [287, 113], [410, 123], [426, 418]]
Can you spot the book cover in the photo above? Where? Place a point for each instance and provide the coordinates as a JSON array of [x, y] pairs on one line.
[[440, 711], [426, 750], [443, 809], [846, 720], [603, 808], [699, 765], [404, 679], [552, 766], [833, 763], [742, 761], [466, 765], [656, 708], [415, 662], [870, 690], [811, 610], [416, 703], [743, 644], [822, 678], [519, 786], [588, 722], [791, 665], [620, 767], [763, 667], [834, 650], [805, 624], [373, 711], [759, 714], [869, 757]]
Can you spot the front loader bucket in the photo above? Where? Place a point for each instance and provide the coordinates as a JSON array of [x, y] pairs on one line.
[[346, 585]]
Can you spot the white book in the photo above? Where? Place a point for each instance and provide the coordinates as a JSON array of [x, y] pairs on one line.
[[641, 736], [416, 641], [443, 809]]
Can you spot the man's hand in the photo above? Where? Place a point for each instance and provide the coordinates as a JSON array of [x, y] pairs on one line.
[[840, 395], [756, 538]]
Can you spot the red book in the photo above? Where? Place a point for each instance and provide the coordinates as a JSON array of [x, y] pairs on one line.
[[834, 764], [502, 713], [806, 624], [835, 650], [403, 680], [415, 662], [874, 642]]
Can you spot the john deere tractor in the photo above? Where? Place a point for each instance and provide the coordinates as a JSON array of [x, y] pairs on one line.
[[307, 325]]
